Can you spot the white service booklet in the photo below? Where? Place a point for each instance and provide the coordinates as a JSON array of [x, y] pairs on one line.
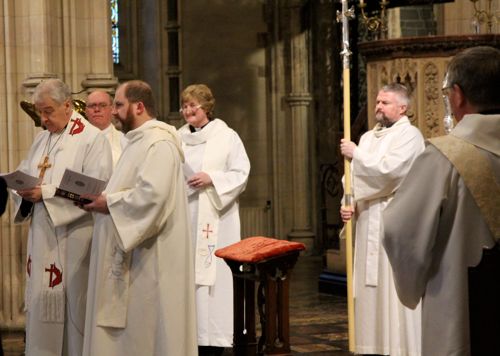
[[79, 183], [188, 173], [20, 181]]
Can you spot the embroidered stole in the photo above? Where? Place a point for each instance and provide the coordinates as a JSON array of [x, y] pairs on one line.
[[114, 285], [217, 147], [52, 293], [477, 173]]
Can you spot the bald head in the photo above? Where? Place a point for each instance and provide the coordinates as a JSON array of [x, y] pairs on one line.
[[98, 109]]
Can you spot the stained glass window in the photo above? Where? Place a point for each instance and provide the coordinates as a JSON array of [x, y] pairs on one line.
[[115, 38]]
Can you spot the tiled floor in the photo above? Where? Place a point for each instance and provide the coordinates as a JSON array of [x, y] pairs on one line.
[[318, 322]]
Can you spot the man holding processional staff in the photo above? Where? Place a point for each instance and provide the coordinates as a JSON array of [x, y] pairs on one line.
[[380, 324]]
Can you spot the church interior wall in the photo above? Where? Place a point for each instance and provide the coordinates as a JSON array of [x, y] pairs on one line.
[[241, 49], [221, 47]]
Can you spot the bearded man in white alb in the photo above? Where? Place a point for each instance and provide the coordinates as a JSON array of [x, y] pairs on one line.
[[141, 280], [383, 158], [57, 260]]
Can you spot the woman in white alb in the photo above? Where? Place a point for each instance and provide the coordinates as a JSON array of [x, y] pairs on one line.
[[216, 170]]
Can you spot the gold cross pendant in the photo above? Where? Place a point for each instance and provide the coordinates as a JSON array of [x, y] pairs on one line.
[[44, 166]]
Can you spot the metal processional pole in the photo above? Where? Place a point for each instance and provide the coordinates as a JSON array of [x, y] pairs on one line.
[[344, 18]]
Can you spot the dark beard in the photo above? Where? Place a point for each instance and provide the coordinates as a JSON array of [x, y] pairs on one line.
[[127, 123]]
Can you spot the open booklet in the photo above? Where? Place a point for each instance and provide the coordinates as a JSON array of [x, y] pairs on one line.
[[74, 184], [20, 181]]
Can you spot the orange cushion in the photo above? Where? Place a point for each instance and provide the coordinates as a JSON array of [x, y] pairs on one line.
[[258, 248]]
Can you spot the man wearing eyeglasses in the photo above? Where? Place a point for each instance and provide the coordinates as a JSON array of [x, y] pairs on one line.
[[442, 230], [98, 112]]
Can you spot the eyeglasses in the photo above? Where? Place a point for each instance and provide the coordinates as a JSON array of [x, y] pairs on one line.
[[186, 108], [101, 106]]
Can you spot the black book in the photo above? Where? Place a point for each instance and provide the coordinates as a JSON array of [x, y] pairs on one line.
[[72, 196]]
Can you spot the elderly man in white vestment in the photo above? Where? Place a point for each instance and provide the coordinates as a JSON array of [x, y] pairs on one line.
[[216, 169], [98, 109], [59, 237], [445, 218], [384, 155], [141, 281]]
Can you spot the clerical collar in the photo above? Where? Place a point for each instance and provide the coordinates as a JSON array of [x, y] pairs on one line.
[[196, 129], [60, 132], [382, 126]]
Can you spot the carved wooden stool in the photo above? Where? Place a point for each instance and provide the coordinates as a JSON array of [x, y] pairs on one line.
[[267, 261]]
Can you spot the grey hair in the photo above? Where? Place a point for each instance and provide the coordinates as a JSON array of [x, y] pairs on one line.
[[55, 89], [400, 90]]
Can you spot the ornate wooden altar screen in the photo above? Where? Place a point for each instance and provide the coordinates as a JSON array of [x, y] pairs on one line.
[[419, 63]]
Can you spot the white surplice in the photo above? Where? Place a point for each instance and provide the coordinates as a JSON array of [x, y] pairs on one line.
[[380, 162], [116, 140], [141, 281], [59, 240], [218, 151], [434, 232]]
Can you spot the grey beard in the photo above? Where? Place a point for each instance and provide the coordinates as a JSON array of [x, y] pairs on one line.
[[384, 120]]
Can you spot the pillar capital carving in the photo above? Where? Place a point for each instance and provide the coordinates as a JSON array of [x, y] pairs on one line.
[[31, 82], [101, 81]]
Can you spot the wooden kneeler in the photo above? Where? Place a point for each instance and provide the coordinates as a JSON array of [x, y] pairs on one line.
[[268, 261]]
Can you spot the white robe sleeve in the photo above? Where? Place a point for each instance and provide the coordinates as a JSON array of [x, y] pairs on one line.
[[16, 198], [141, 212], [411, 224], [231, 182], [24, 166], [98, 164], [375, 177]]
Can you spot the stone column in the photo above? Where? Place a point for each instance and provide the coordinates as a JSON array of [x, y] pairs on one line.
[[298, 100], [98, 36], [40, 39], [39, 21], [31, 52]]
